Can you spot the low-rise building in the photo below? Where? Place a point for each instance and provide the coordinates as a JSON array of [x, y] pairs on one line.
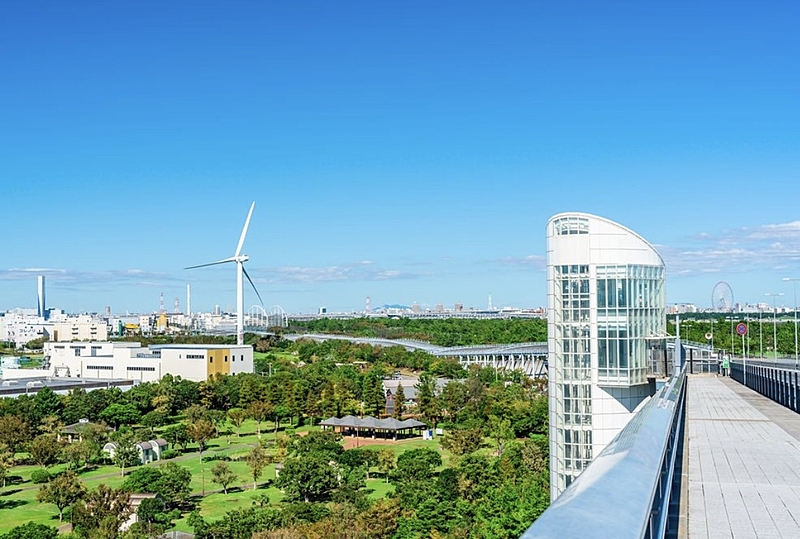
[[79, 328], [149, 451], [197, 362]]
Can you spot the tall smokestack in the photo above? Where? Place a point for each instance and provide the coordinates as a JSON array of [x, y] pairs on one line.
[[188, 300], [42, 308]]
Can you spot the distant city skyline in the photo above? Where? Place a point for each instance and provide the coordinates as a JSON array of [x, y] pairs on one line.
[[409, 152]]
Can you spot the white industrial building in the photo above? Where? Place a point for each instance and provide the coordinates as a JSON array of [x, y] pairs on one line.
[[83, 327], [606, 302], [20, 326], [114, 360]]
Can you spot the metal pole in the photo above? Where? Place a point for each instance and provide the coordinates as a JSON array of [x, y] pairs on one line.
[[747, 323], [794, 283], [760, 336], [774, 323], [794, 287], [712, 335], [775, 329]]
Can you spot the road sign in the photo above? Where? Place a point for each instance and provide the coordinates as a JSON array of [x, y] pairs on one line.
[[741, 329]]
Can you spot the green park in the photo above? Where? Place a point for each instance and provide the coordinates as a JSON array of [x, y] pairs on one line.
[[245, 456]]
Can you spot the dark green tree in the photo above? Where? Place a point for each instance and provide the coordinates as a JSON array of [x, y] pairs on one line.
[[308, 478], [174, 484], [154, 419], [14, 432], [500, 430], [47, 403], [143, 480], [126, 453], [399, 402], [462, 441], [31, 530], [427, 405], [415, 465], [324, 443], [45, 450], [177, 435], [237, 416], [223, 475], [120, 414], [257, 459], [101, 513], [373, 396], [62, 491]]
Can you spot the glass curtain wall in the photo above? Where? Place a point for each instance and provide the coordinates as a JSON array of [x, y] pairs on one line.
[[572, 373], [630, 311]]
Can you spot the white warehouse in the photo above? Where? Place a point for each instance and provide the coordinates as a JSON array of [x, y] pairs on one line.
[[197, 362]]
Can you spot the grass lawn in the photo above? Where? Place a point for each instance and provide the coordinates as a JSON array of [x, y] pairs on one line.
[[18, 503], [380, 488], [214, 506]]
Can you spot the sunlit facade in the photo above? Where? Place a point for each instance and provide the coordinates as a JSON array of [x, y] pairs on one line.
[[606, 303]]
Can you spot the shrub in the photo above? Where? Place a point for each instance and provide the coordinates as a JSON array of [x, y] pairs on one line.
[[169, 454], [40, 475], [218, 456]]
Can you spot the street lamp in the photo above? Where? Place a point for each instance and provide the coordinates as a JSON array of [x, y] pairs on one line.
[[760, 335], [774, 322], [794, 286]]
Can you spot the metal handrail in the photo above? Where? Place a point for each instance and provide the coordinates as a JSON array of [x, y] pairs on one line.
[[625, 492]]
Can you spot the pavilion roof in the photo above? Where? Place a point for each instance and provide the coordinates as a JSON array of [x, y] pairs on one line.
[[369, 422]]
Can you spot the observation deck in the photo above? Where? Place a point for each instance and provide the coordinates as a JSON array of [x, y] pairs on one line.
[[743, 463], [706, 457]]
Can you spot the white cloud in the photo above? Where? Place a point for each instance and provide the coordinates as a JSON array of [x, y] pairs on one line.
[[531, 261], [356, 271], [122, 276], [737, 251]]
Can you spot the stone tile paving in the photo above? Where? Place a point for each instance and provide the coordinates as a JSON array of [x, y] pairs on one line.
[[743, 463]]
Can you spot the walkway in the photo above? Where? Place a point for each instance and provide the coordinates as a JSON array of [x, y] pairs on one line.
[[743, 463]]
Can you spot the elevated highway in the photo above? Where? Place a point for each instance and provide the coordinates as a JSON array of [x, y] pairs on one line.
[[529, 358]]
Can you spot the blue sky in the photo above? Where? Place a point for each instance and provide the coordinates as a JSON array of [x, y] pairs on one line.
[[409, 151]]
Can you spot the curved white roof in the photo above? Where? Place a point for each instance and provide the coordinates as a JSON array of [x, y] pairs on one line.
[[606, 242]]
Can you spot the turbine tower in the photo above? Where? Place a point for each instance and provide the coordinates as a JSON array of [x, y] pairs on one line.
[[240, 259]]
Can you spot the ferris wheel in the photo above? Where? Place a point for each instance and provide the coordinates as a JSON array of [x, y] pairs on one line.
[[722, 297]]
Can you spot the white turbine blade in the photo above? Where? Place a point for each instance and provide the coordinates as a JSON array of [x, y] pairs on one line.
[[212, 263], [253, 285], [244, 230]]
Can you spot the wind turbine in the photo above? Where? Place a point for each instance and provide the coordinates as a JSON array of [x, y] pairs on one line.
[[240, 259]]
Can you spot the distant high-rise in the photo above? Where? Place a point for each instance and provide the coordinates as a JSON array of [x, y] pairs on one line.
[[42, 307], [605, 291]]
